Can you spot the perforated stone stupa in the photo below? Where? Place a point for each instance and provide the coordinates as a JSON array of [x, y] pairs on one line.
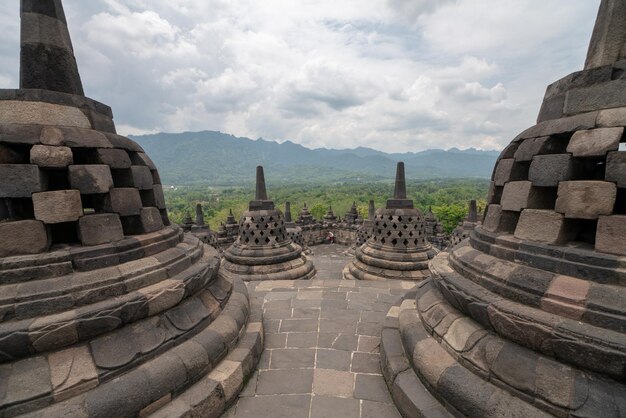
[[398, 248], [105, 308], [434, 230], [263, 250], [529, 315]]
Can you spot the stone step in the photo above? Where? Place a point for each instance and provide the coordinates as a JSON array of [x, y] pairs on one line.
[[172, 351]]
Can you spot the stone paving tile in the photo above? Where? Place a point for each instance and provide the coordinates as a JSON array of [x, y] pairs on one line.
[[337, 341], [292, 358], [366, 363], [298, 325], [333, 359], [330, 407], [275, 341], [368, 344], [333, 383], [285, 382], [371, 409], [322, 345], [281, 406], [371, 387], [302, 340]]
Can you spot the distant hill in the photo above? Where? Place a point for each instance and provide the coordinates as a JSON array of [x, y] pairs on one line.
[[218, 159]]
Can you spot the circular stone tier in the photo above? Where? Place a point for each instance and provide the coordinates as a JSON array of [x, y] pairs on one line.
[[397, 249], [264, 250], [529, 314]]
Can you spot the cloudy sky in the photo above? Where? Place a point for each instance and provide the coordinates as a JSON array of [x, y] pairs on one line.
[[395, 75]]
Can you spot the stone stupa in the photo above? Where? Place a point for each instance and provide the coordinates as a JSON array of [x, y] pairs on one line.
[[201, 230], [398, 248], [528, 317], [305, 217], [434, 230], [263, 250], [294, 231], [352, 215], [105, 308], [330, 217], [228, 231], [464, 228]]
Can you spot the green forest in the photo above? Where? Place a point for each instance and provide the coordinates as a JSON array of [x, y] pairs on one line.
[[448, 197]]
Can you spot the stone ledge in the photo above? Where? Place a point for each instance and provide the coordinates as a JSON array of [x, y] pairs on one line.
[[165, 374], [532, 327]]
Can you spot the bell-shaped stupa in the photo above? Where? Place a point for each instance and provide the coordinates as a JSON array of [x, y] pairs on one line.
[[264, 250], [528, 317], [105, 308], [305, 217], [398, 248], [464, 228]]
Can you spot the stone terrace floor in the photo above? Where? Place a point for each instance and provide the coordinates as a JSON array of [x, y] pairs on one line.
[[322, 340]]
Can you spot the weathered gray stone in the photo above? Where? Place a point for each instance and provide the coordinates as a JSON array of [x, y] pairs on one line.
[[518, 195], [601, 96], [616, 168], [535, 146], [586, 199], [58, 206], [50, 156], [91, 179], [114, 158], [609, 35], [543, 226], [550, 170], [595, 142], [141, 158], [100, 229], [125, 201], [610, 234], [507, 170], [22, 237], [20, 180], [610, 118], [142, 177], [159, 199], [151, 220]]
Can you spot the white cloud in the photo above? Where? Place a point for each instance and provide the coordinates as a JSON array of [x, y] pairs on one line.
[[396, 75]]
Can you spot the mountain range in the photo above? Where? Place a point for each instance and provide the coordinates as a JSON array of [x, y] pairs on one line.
[[218, 159]]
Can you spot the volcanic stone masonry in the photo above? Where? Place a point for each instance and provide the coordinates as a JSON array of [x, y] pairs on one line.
[[228, 231], [528, 317], [105, 308], [330, 218], [398, 248], [434, 230], [305, 217], [263, 250], [463, 230], [201, 230]]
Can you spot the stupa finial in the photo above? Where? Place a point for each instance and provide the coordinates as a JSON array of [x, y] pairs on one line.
[[400, 189], [288, 217], [608, 41], [47, 59], [261, 191], [199, 215]]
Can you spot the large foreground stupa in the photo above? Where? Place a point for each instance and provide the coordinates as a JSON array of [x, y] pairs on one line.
[[397, 247], [264, 250], [105, 309], [528, 317]]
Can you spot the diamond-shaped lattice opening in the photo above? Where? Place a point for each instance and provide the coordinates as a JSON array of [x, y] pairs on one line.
[[391, 218], [247, 240], [256, 240], [405, 226], [406, 242], [395, 226], [271, 219], [410, 219], [394, 242], [388, 233], [410, 234], [415, 241], [267, 240], [382, 240], [400, 234], [399, 218]]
